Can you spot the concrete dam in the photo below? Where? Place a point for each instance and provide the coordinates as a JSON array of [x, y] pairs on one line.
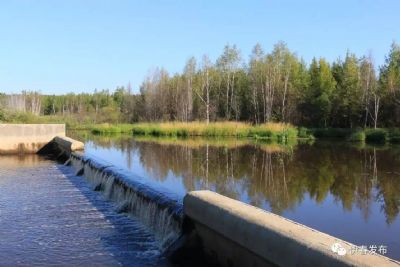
[[66, 208]]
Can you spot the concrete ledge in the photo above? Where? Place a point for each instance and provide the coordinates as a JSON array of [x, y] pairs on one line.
[[68, 144], [238, 234], [61, 147], [27, 138]]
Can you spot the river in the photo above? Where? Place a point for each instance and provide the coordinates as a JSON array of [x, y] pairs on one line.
[[348, 190]]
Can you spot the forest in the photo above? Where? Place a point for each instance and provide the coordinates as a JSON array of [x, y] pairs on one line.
[[275, 86]]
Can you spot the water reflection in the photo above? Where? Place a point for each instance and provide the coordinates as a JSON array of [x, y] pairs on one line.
[[324, 185]]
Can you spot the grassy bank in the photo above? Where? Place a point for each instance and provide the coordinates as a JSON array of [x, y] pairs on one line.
[[277, 132], [272, 131]]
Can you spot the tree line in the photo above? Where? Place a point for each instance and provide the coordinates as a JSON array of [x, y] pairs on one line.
[[269, 86]]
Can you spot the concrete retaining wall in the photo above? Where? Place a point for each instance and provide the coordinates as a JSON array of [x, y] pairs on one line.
[[237, 234], [27, 138]]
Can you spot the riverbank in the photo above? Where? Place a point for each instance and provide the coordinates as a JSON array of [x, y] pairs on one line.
[[275, 132], [279, 132]]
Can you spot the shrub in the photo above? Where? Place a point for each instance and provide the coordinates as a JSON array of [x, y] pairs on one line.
[[376, 136], [331, 132], [394, 135], [357, 136], [303, 132]]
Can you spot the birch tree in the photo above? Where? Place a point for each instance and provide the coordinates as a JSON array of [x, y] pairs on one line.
[[204, 95], [228, 63], [189, 73], [370, 95]]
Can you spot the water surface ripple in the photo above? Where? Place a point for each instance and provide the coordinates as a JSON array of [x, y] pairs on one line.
[[50, 217]]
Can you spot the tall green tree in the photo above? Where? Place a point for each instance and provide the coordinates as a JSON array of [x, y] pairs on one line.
[[389, 83], [317, 104], [348, 94]]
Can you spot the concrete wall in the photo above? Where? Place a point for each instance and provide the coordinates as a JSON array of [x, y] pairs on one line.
[[27, 138], [237, 234]]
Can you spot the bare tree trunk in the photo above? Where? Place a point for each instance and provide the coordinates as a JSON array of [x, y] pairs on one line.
[[255, 104], [207, 166], [207, 100], [284, 95], [227, 97], [376, 110], [189, 99], [233, 95]]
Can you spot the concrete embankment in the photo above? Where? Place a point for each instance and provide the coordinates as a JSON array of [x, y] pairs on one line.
[[27, 138], [237, 234]]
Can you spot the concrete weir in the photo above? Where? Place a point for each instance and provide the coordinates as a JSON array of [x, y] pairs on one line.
[[225, 232], [237, 234]]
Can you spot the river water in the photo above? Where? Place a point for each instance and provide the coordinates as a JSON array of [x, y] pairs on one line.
[[348, 190], [51, 217]]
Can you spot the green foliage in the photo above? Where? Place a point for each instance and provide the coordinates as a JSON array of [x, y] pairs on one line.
[[357, 135], [106, 128], [389, 87], [341, 133], [394, 135], [2, 115], [273, 86], [276, 132], [348, 95], [376, 135], [317, 106], [305, 133]]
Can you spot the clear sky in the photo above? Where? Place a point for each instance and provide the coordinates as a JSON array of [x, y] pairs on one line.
[[79, 45]]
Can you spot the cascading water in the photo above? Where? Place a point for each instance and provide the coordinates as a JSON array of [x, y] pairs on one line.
[[158, 209]]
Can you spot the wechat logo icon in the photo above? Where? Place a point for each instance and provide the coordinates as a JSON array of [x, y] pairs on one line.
[[338, 249]]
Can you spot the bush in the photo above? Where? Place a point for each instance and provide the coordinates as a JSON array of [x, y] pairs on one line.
[[303, 132], [357, 136], [376, 136], [332, 133], [394, 135]]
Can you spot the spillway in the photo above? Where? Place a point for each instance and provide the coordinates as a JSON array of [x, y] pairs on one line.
[[49, 216], [157, 208]]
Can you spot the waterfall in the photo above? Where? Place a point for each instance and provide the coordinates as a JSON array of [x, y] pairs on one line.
[[157, 208]]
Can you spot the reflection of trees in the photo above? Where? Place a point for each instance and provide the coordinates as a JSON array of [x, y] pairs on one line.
[[282, 179], [388, 187], [355, 177]]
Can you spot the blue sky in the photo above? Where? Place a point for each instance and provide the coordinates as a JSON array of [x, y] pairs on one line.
[[79, 45]]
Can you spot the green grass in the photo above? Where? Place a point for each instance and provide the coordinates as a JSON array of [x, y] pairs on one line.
[[106, 128], [270, 131], [276, 131]]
